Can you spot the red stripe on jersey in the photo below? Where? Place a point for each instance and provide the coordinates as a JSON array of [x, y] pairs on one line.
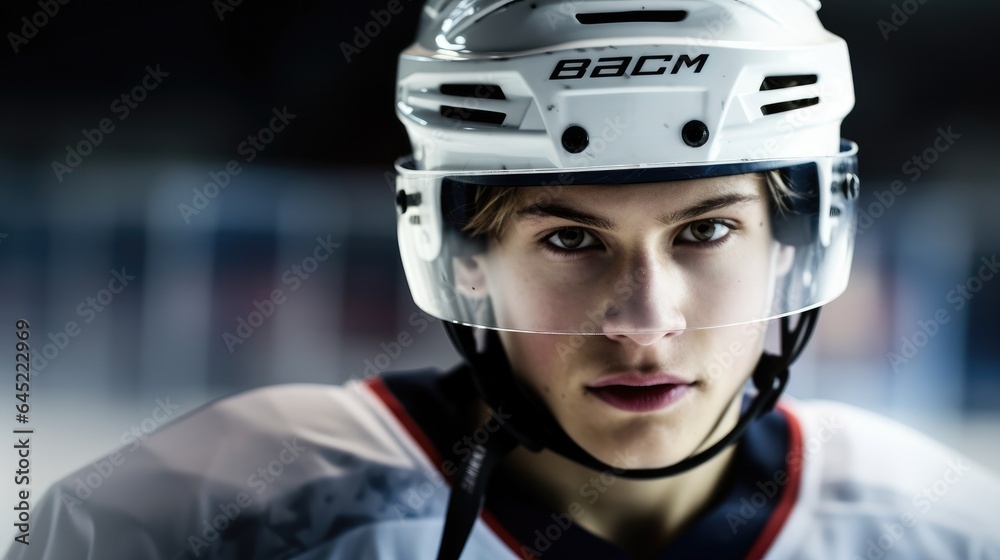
[[382, 391], [791, 492]]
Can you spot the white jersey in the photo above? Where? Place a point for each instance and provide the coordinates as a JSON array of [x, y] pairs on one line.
[[320, 472]]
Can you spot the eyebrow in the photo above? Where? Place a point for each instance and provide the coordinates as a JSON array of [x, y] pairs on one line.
[[708, 205], [559, 210], [555, 209]]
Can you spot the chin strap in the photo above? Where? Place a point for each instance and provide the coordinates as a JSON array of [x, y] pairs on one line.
[[468, 492], [533, 426]]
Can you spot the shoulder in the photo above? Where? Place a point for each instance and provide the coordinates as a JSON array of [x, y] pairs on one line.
[[312, 422], [272, 469], [867, 477]]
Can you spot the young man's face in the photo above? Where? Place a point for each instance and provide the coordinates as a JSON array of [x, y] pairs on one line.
[[645, 268]]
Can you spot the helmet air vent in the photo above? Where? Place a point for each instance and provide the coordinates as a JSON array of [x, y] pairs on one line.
[[466, 112], [472, 115], [783, 82], [788, 105], [479, 91], [654, 16]]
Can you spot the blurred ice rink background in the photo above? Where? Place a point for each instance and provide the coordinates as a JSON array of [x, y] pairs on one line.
[[914, 337]]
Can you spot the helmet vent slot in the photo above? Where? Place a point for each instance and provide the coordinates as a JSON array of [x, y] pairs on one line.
[[788, 105], [472, 115], [479, 91], [781, 82], [655, 16]]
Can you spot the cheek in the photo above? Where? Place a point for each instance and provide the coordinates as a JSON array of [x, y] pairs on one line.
[[539, 360], [734, 288], [527, 296], [731, 353]]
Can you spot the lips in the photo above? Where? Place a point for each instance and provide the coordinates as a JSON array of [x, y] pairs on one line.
[[640, 392]]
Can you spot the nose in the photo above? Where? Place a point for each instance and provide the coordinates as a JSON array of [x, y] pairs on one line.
[[646, 303]]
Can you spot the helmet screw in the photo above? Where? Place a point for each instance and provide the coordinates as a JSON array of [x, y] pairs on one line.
[[575, 139], [404, 200], [695, 134]]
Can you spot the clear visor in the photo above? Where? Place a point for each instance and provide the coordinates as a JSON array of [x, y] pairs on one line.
[[619, 251]]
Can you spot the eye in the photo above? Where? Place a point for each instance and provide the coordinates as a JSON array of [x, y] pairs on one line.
[[705, 231], [570, 239]]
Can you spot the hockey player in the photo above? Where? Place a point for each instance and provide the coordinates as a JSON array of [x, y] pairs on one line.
[[608, 205]]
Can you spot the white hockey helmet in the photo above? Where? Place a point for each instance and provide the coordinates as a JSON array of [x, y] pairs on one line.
[[560, 93]]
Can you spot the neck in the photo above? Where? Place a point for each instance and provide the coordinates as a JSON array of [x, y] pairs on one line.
[[641, 516]]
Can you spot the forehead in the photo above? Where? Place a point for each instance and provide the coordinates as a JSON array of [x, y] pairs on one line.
[[663, 192], [667, 202], [498, 208]]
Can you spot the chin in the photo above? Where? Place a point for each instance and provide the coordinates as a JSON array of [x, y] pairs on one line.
[[643, 443], [635, 457]]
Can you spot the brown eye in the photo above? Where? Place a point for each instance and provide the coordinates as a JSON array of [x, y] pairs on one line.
[[571, 238], [705, 232]]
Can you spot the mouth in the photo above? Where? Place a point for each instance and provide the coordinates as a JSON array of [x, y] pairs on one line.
[[639, 392]]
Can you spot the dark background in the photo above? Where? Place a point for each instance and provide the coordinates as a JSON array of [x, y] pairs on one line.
[[936, 69], [324, 176]]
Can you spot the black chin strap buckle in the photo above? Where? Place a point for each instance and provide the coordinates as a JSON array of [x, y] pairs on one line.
[[773, 368], [770, 369]]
